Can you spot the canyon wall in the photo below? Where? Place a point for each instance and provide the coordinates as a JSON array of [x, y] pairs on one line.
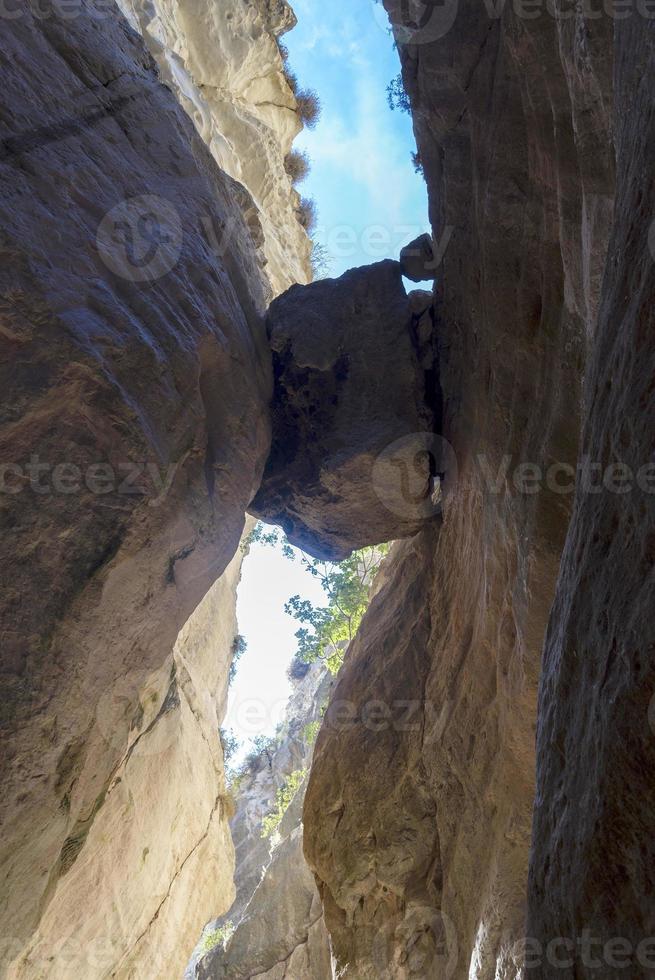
[[591, 872], [223, 62], [276, 915], [134, 430], [418, 815]]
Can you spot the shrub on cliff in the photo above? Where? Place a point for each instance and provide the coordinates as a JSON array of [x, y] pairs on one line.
[[307, 214], [321, 264], [298, 669], [309, 107], [239, 647], [283, 799], [397, 97], [297, 165], [218, 937]]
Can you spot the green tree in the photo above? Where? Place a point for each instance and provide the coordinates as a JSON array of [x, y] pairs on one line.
[[327, 630], [283, 799], [397, 97], [229, 742], [239, 647]]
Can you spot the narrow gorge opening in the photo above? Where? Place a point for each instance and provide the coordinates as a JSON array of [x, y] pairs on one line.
[[344, 67], [212, 224]]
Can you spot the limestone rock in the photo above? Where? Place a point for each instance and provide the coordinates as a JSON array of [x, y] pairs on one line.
[[133, 432], [223, 62], [417, 260], [277, 914], [592, 871], [419, 831], [349, 389]]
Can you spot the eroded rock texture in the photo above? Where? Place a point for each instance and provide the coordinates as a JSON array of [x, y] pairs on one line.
[[277, 914], [592, 872], [223, 62], [349, 385], [134, 429], [420, 836]]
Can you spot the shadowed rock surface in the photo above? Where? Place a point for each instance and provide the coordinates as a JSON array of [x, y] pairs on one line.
[[420, 838], [417, 260], [133, 355], [592, 867], [277, 913], [348, 387], [134, 358]]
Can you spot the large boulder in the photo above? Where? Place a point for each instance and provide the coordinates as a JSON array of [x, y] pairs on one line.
[[418, 261], [349, 464]]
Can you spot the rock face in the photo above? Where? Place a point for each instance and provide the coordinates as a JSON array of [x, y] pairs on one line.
[[277, 914], [349, 406], [594, 830], [420, 835], [134, 430], [223, 62]]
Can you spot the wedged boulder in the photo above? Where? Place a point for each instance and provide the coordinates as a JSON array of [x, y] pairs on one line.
[[348, 465], [417, 260]]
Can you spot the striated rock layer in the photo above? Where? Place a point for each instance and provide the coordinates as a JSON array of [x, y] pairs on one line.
[[592, 872], [223, 62], [133, 433], [419, 830]]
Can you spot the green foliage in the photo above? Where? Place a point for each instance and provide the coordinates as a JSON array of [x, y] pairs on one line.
[[239, 647], [397, 97], [310, 732], [417, 163], [229, 742], [218, 937], [268, 535], [260, 744], [327, 630], [283, 799]]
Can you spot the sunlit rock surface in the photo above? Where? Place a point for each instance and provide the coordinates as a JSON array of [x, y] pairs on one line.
[[136, 378], [351, 419], [420, 837], [277, 914], [224, 65]]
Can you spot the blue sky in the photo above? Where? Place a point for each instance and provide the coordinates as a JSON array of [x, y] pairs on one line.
[[370, 200], [370, 203]]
